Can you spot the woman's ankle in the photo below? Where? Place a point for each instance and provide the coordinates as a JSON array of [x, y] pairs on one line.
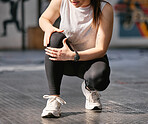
[[55, 95]]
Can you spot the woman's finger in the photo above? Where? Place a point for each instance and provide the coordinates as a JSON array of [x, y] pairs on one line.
[[58, 30], [53, 59], [53, 49], [51, 54], [46, 38], [64, 41], [45, 41]]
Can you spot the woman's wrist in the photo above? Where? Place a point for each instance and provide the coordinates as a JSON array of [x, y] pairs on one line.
[[72, 55], [75, 56], [50, 29]]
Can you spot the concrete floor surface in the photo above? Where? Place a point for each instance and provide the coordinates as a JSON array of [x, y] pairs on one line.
[[23, 83]]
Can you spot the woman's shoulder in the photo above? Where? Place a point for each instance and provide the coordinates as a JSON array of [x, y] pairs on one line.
[[107, 12], [56, 2], [55, 5], [107, 7]]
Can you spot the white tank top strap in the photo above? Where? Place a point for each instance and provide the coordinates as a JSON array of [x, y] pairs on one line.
[[103, 3], [63, 2]]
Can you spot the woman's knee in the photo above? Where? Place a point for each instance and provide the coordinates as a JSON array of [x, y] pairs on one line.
[[99, 81], [101, 85], [56, 40]]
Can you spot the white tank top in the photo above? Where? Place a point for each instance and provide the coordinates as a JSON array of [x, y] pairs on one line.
[[76, 23]]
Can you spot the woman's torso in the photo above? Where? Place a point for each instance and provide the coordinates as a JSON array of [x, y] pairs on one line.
[[77, 25]]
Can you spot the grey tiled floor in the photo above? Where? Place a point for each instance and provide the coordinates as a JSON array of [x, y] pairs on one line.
[[23, 83]]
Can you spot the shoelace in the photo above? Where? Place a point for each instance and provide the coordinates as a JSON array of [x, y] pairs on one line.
[[60, 100], [94, 96]]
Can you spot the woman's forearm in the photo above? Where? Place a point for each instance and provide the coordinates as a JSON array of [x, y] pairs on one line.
[[91, 54], [45, 24]]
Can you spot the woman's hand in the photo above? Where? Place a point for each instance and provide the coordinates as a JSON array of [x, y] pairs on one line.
[[48, 33], [60, 54]]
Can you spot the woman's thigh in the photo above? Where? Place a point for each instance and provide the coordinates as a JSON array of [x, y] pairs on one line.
[[82, 68]]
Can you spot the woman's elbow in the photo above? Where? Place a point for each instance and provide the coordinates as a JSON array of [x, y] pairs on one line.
[[102, 53]]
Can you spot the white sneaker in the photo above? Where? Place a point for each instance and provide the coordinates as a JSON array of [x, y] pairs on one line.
[[52, 109], [92, 98]]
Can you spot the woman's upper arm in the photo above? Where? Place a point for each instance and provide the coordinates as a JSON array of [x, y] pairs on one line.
[[105, 28], [53, 11]]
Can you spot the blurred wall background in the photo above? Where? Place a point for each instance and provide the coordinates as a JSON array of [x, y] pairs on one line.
[[13, 39], [130, 23]]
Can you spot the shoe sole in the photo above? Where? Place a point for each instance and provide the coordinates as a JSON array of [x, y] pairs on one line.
[[50, 115], [94, 108], [97, 108]]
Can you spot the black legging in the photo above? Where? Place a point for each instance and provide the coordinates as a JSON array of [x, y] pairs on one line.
[[95, 72]]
